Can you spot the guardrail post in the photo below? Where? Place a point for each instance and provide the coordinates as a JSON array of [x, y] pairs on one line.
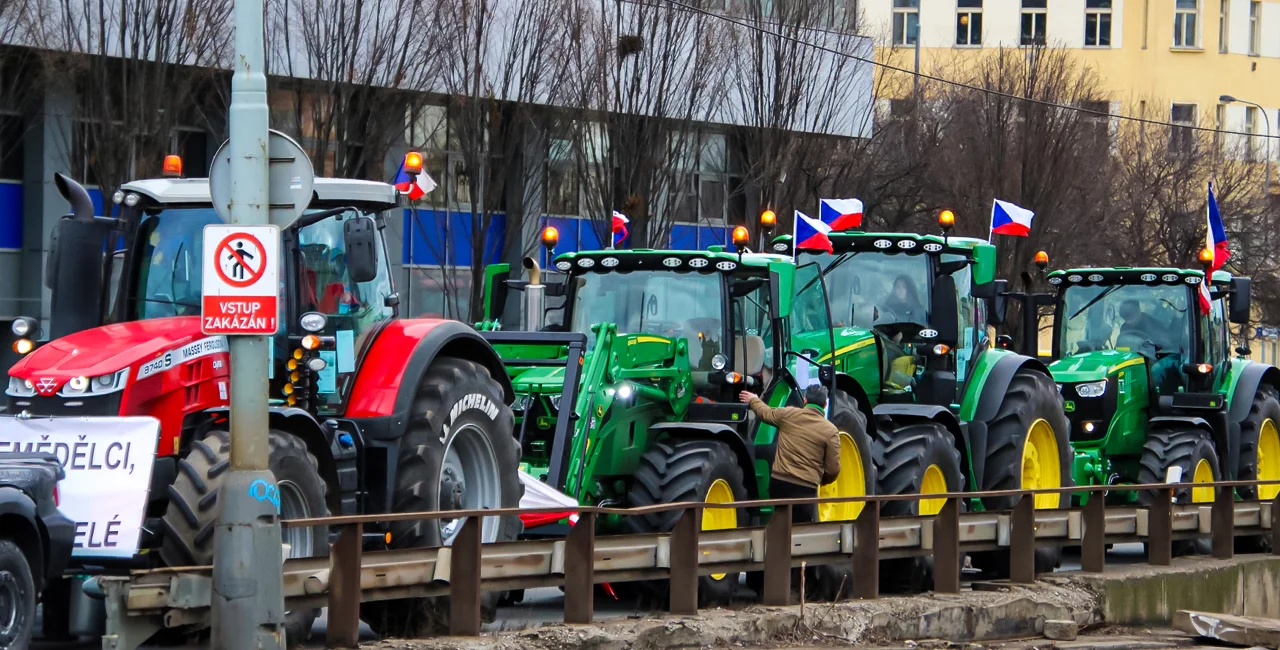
[[1022, 541], [1160, 528], [777, 558], [579, 571], [684, 563], [1222, 523], [344, 588], [1275, 526], [866, 552], [946, 549], [464, 580], [1093, 548]]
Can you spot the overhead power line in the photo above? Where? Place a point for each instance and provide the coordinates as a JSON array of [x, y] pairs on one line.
[[960, 84]]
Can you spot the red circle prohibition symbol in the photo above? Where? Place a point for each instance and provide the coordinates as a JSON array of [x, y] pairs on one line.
[[253, 275]]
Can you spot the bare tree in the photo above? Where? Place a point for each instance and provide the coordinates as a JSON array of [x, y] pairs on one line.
[[139, 69], [344, 74], [642, 76]]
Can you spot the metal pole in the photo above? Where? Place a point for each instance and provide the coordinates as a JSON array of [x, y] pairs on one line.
[[915, 79], [248, 583], [1266, 119]]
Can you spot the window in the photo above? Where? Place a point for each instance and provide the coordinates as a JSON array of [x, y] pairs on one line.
[[969, 22], [1252, 146], [1184, 23], [1096, 128], [1034, 15], [562, 178], [11, 131], [1220, 122], [1255, 27], [906, 22], [1097, 23], [1224, 24], [1181, 139]]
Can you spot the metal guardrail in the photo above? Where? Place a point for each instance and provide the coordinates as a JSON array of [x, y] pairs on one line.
[[463, 571]]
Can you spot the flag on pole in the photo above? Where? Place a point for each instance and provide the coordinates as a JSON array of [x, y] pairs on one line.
[[619, 229], [1215, 241], [840, 214], [1009, 219], [811, 234], [416, 188]]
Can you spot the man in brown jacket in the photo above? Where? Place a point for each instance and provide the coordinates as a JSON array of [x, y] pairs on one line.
[[808, 451]]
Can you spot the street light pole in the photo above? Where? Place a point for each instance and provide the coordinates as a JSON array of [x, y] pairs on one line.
[[248, 583], [1266, 120]]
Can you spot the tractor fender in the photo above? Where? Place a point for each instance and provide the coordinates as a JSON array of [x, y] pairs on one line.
[[994, 387], [940, 414], [19, 521], [1252, 375], [1181, 422], [717, 432], [387, 379], [851, 386]]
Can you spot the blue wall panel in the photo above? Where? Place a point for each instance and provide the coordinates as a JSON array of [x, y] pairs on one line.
[[588, 240], [10, 216], [684, 238]]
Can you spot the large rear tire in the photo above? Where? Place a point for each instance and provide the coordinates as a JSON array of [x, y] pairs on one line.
[[1260, 457], [1192, 451], [857, 478], [457, 454], [918, 458], [1027, 448], [674, 471], [193, 509], [17, 598]]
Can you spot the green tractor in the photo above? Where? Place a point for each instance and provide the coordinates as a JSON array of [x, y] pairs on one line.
[[1152, 391], [951, 413], [627, 392]]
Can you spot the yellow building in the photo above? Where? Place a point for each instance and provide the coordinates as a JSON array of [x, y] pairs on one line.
[[1168, 59]]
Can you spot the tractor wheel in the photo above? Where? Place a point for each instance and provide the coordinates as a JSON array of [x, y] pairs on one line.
[[1191, 450], [857, 478], [1260, 457], [1027, 447], [917, 458], [193, 507], [458, 453], [673, 471], [18, 597]]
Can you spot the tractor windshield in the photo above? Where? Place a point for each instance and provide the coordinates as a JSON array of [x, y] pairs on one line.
[[663, 303], [872, 289], [168, 279], [1150, 320]]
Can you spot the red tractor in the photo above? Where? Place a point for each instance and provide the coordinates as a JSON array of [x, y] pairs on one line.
[[369, 412]]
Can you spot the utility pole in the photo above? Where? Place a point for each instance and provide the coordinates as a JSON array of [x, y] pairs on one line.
[[248, 583]]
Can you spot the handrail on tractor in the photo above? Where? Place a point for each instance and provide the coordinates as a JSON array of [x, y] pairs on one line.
[[349, 576]]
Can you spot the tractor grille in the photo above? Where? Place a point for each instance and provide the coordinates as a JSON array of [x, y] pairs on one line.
[[83, 406], [1083, 411]]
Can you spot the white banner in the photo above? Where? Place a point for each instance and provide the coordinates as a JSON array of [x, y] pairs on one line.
[[108, 464]]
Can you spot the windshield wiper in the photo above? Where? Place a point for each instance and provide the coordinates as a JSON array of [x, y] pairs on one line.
[[1105, 292]]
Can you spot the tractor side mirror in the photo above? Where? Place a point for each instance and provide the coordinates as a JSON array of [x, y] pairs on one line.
[[495, 288], [943, 312], [998, 304], [51, 261], [1238, 306], [361, 238]]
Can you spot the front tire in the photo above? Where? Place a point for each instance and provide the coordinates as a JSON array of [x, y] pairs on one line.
[[684, 471], [457, 453], [917, 458], [17, 598], [194, 499], [1192, 451], [1027, 448]]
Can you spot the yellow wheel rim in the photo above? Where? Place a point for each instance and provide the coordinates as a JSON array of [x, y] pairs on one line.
[[1040, 463], [852, 482], [932, 483], [1203, 474], [1268, 460], [719, 518]]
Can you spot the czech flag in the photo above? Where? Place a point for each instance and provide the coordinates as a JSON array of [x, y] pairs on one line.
[[841, 214], [1009, 219], [1216, 242], [620, 233], [811, 234], [415, 188]]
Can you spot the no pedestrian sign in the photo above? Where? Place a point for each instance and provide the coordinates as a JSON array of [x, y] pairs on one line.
[[241, 286]]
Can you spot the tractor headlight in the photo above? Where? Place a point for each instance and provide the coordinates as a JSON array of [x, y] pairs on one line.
[[625, 391], [313, 321], [24, 327], [1092, 389], [95, 386], [719, 362], [20, 388], [555, 401]]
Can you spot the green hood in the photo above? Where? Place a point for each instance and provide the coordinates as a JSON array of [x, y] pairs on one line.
[[1092, 366], [539, 380]]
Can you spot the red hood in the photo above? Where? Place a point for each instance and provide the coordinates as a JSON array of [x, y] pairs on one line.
[[106, 349]]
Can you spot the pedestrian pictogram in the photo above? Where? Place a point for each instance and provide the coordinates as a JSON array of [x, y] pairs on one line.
[[240, 281]]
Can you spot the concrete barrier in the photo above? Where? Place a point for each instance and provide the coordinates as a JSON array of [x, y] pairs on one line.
[[1145, 595]]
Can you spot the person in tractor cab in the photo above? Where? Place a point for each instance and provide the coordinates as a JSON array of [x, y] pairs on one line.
[[1157, 338], [902, 303], [808, 454]]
